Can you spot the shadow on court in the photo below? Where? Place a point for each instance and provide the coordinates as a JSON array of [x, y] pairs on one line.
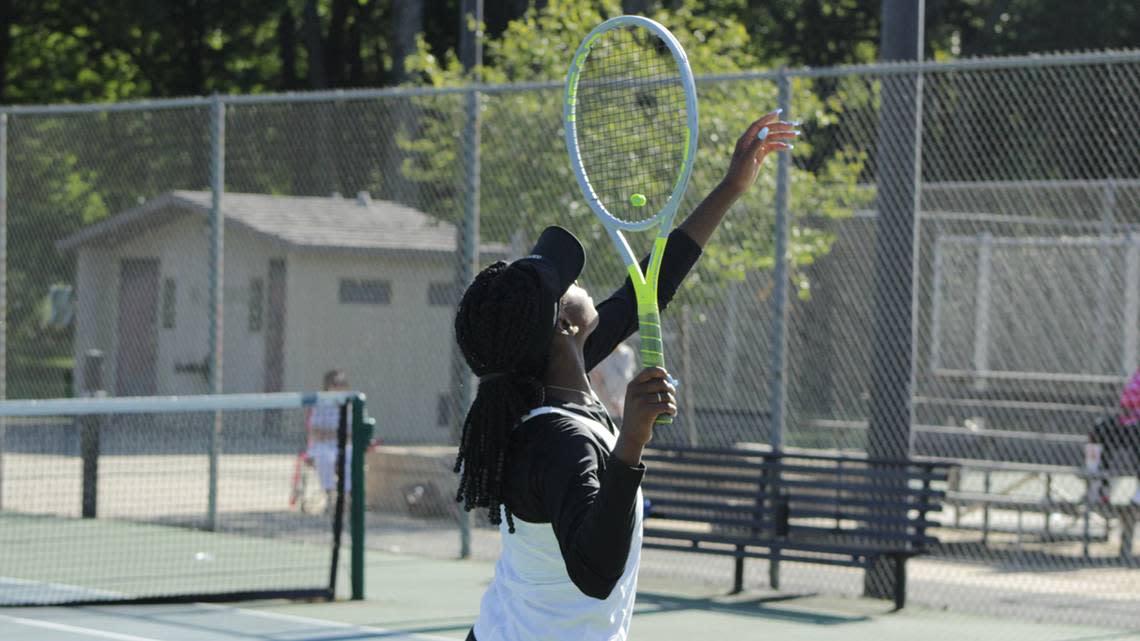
[[759, 607]]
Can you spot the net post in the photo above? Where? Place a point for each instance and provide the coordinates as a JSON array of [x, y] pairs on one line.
[[362, 430], [217, 280], [89, 432], [340, 466]]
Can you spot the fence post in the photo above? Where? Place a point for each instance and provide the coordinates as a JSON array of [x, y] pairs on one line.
[[1102, 335], [1131, 351], [779, 366], [217, 291], [471, 49], [981, 360], [3, 287], [779, 379], [688, 410], [893, 299]]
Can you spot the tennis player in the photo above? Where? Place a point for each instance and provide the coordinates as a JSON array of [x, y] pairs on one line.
[[539, 451]]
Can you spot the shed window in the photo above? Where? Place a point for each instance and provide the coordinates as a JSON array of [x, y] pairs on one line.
[[443, 293], [365, 292]]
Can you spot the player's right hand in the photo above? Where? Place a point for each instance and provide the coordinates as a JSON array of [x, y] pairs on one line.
[[650, 394]]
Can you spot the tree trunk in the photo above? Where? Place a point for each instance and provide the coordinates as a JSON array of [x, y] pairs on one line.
[[287, 48], [7, 17], [324, 180], [193, 31], [407, 23], [335, 43], [635, 7], [355, 62], [315, 45]]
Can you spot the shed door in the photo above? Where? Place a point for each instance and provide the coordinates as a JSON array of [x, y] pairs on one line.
[[138, 333]]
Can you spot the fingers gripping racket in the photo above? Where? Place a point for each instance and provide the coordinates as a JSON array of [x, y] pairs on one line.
[[630, 113]]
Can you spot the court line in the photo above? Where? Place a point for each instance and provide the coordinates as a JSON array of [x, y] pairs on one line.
[[63, 627], [334, 624], [61, 587]]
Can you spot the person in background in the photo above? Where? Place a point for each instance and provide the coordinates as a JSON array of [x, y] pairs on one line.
[[322, 423], [1129, 421], [610, 378]]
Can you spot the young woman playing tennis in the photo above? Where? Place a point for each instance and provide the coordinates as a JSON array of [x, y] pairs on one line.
[[538, 449]]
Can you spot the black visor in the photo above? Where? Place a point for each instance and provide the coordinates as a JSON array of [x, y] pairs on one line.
[[557, 260]]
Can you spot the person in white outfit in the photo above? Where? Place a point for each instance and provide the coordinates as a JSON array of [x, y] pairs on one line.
[[538, 450], [323, 421]]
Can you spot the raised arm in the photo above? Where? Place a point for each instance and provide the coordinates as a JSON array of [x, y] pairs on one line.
[[617, 315], [764, 136]]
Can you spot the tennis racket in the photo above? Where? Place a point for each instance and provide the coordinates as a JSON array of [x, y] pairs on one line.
[[630, 113]]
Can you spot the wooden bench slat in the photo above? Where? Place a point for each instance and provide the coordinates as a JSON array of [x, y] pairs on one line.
[[701, 475], [864, 488], [747, 524], [687, 451], [657, 486], [831, 499], [751, 554], [869, 488], [681, 464], [775, 544], [865, 533], [750, 508], [863, 517]]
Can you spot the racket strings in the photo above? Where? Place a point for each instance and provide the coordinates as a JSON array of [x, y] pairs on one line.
[[631, 120]]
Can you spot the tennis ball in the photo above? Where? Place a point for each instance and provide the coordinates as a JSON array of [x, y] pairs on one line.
[[637, 200]]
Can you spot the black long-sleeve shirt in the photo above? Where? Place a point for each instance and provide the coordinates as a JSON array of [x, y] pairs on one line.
[[561, 473]]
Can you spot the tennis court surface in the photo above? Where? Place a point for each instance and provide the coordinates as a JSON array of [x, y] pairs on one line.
[[412, 598], [180, 501]]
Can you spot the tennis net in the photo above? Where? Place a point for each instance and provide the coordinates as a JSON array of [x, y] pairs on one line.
[[165, 499]]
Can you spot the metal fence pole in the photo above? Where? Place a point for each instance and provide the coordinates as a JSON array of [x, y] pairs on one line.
[[893, 298], [688, 406], [217, 290], [1131, 348], [779, 379], [779, 376], [3, 287], [471, 47], [982, 296]]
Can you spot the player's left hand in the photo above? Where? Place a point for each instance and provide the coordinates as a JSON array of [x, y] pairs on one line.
[[765, 135]]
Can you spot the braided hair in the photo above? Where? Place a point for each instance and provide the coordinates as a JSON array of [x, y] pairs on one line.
[[494, 317]]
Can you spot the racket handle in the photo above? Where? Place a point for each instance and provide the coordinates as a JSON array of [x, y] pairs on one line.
[[652, 350]]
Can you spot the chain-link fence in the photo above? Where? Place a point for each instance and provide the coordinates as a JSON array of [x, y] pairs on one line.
[[1014, 292]]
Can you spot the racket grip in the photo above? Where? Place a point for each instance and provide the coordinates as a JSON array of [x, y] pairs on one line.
[[652, 350]]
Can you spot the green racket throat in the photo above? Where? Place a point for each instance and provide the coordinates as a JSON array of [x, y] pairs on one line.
[[649, 314]]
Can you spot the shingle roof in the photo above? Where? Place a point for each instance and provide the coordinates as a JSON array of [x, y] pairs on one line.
[[332, 223]]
